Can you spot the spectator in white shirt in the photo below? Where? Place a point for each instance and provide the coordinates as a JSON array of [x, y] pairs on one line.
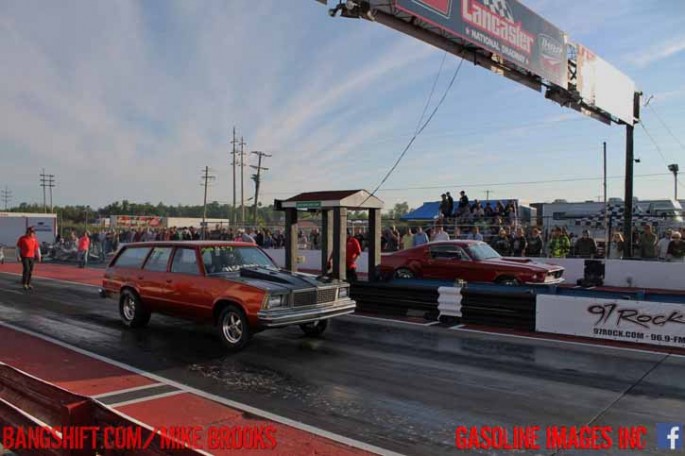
[[440, 234], [662, 245]]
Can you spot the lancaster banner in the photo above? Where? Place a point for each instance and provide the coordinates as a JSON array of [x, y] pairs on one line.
[[504, 27]]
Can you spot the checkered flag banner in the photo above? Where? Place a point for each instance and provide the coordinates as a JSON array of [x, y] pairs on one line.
[[616, 213], [500, 7]]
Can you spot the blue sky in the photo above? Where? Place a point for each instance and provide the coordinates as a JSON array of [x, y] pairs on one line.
[[131, 99]]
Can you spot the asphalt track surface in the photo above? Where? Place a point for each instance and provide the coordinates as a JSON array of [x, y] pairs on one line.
[[394, 385]]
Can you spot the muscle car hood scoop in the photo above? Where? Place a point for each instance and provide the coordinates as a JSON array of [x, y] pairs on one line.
[[279, 276]]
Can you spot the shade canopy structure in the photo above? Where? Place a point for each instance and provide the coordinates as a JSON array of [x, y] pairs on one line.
[[333, 206]]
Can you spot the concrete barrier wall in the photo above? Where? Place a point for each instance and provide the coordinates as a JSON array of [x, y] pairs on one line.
[[618, 273], [626, 273]]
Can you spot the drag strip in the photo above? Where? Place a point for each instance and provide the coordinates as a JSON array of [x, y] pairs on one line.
[[396, 386]]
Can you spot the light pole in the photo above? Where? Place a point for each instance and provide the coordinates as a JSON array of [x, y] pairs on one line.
[[674, 169]]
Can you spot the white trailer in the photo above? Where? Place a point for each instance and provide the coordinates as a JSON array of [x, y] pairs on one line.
[[14, 224]]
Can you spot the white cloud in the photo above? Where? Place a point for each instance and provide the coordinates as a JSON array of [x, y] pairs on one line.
[[658, 52]]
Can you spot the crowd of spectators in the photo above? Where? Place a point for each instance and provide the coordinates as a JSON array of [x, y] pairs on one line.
[[502, 232]]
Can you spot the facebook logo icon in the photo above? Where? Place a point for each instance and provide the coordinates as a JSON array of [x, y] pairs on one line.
[[669, 436]]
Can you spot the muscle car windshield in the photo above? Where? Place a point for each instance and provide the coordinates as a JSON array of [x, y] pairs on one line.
[[219, 259], [482, 252]]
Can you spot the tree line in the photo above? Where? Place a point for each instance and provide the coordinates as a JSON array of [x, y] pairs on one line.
[[80, 214]]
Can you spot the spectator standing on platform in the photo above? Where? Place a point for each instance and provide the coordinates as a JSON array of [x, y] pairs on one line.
[[676, 248], [420, 237], [28, 251], [648, 241], [662, 245], [586, 247], [444, 206], [519, 243], [534, 244], [450, 205], [463, 201], [83, 248]]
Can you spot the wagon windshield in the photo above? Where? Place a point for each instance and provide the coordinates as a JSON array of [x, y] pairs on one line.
[[226, 258]]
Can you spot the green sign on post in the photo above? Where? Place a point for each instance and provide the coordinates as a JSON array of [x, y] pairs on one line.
[[308, 204]]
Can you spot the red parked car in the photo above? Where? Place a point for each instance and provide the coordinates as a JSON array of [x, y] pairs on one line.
[[472, 261], [234, 285]]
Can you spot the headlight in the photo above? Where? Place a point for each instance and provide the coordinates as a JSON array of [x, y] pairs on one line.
[[343, 292], [275, 301]]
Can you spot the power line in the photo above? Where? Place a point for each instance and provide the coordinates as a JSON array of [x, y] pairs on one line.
[[642, 124], [423, 127], [664, 125], [430, 95]]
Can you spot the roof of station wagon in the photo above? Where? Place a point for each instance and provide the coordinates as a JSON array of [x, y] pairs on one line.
[[189, 244]]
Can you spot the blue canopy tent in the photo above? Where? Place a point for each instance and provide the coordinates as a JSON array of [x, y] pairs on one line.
[[430, 210]]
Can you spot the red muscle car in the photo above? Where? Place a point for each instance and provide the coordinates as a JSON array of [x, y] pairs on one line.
[[472, 261], [234, 285]]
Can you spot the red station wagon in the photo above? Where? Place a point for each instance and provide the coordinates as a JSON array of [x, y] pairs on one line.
[[234, 285], [472, 261]]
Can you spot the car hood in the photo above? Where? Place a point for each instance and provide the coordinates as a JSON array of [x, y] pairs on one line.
[[523, 264], [274, 280]]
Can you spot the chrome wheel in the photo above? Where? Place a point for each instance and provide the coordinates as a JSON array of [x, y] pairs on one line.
[[232, 327], [129, 308]]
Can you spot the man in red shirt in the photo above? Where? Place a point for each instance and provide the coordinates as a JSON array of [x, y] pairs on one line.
[[28, 251], [83, 247], [353, 250]]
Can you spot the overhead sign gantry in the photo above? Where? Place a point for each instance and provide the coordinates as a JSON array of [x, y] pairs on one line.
[[508, 38]]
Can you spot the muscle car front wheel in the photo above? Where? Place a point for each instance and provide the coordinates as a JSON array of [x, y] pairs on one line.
[[315, 328], [233, 328], [132, 311]]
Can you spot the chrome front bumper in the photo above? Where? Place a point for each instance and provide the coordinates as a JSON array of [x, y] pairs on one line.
[[274, 318]]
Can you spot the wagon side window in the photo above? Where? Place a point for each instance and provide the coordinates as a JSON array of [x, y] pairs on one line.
[[185, 262], [132, 257]]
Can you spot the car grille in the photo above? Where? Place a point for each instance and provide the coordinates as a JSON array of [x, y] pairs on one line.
[[312, 297]]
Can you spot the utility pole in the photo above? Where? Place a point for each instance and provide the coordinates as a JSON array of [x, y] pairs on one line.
[[674, 169], [206, 177], [234, 162], [44, 183], [487, 194], [257, 180], [242, 181], [630, 157], [51, 185], [6, 196], [606, 208]]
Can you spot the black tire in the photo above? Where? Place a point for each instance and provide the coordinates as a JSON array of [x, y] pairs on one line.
[[507, 280], [315, 328], [234, 330], [132, 311], [404, 273]]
